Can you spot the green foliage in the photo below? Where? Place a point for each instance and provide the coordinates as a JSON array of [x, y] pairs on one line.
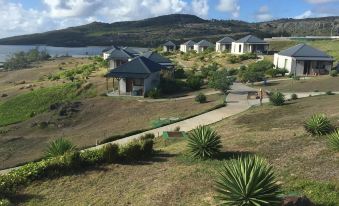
[[5, 202], [179, 73], [23, 60], [321, 193], [233, 59], [333, 140], [255, 71], [59, 147], [272, 72], [248, 181], [203, 143], [247, 56], [201, 98], [333, 73], [294, 96], [194, 82], [277, 98], [20, 107], [170, 86], [92, 157], [318, 124], [207, 71], [148, 136], [82, 72], [110, 153], [153, 93], [220, 80], [131, 151]]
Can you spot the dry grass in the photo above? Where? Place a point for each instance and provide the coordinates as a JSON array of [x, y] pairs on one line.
[[170, 178]]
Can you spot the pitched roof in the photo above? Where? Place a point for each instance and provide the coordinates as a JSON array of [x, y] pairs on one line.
[[154, 56], [140, 67], [304, 50], [119, 53], [226, 40], [204, 43], [109, 49], [169, 43], [136, 50], [251, 39], [189, 43]]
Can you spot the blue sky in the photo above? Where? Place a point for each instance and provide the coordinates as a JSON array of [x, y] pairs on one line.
[[31, 16]]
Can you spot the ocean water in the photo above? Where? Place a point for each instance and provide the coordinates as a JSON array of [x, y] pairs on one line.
[[7, 50]]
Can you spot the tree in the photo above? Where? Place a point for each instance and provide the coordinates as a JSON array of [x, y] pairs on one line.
[[220, 80], [194, 82]]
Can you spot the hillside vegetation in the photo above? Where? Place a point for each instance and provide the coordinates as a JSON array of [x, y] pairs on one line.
[[177, 27]]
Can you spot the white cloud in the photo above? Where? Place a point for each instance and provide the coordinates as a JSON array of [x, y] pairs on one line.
[[200, 7], [230, 6], [304, 15], [263, 14], [321, 1]]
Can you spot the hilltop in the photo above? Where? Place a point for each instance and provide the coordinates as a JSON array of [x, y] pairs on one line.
[[177, 27]]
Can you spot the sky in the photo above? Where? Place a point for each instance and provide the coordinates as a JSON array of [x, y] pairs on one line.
[[18, 17]]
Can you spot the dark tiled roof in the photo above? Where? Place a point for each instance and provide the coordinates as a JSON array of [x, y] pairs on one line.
[[119, 53], [226, 40], [136, 50], [251, 40], [109, 49], [204, 43], [140, 67], [304, 50], [169, 43], [189, 43], [154, 56]]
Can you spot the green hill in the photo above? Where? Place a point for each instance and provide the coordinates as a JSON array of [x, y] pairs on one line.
[[176, 27]]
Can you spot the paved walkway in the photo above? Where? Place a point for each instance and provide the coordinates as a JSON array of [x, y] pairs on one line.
[[178, 98]]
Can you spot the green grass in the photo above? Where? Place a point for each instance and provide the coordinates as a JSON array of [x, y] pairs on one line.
[[25, 106]]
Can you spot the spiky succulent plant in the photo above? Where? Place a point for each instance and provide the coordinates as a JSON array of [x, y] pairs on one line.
[[333, 140], [59, 147], [318, 124]]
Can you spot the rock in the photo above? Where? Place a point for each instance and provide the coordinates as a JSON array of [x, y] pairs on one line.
[[297, 201], [4, 95], [21, 82]]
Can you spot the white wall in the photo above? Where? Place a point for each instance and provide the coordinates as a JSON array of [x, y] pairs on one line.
[[183, 48], [105, 55], [235, 48], [122, 85], [283, 62]]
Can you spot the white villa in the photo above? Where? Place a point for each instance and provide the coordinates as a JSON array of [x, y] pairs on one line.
[[303, 60], [136, 77], [249, 44], [202, 46], [224, 44], [118, 57], [187, 46], [169, 47]]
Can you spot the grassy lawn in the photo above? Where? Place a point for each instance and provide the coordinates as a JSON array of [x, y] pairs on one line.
[[321, 84], [303, 164]]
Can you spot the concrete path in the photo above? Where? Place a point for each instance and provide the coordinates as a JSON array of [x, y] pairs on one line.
[[236, 102], [178, 98]]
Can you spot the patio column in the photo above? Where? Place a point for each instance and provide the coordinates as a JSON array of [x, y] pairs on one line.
[[118, 85]]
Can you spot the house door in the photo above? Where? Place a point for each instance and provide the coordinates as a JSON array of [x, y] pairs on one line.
[[129, 85], [307, 67]]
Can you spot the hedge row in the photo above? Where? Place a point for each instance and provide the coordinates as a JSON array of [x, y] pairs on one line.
[[74, 161]]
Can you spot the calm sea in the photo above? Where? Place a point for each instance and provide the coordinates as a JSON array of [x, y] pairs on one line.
[[7, 50]]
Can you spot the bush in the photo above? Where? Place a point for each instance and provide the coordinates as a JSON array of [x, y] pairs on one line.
[[246, 56], [220, 80], [153, 93], [5, 202], [203, 142], [277, 98], [282, 72], [294, 96], [92, 157], [330, 93], [255, 72], [318, 124], [333, 73], [179, 73], [201, 98], [207, 71], [272, 72], [233, 59], [110, 153], [131, 151], [194, 82], [146, 147], [170, 86], [248, 181], [333, 140], [59, 147], [147, 136]]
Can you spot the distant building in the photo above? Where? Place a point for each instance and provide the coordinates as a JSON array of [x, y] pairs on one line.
[[118, 57], [187, 46], [169, 47], [249, 44], [202, 46], [224, 44], [303, 60], [136, 77], [157, 58]]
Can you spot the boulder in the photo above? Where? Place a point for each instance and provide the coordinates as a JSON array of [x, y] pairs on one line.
[[297, 201]]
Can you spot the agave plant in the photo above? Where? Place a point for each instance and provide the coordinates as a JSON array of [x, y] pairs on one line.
[[277, 98], [318, 124], [59, 147], [247, 181], [333, 140], [204, 143]]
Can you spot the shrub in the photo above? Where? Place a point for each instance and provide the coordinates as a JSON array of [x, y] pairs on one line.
[[220, 80], [207, 71], [283, 72], [59, 147], [110, 153], [146, 147], [248, 181], [201, 98], [179, 73], [247, 56], [194, 82], [203, 142], [147, 136], [153, 93], [233, 59], [294, 96], [5, 202], [318, 124], [92, 157], [333, 73], [272, 72], [277, 98], [131, 151], [330, 93], [333, 140], [170, 86]]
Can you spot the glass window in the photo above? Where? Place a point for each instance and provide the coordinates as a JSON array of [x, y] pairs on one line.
[[138, 82]]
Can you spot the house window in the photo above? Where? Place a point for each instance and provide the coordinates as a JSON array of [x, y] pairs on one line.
[[138, 82], [239, 48]]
